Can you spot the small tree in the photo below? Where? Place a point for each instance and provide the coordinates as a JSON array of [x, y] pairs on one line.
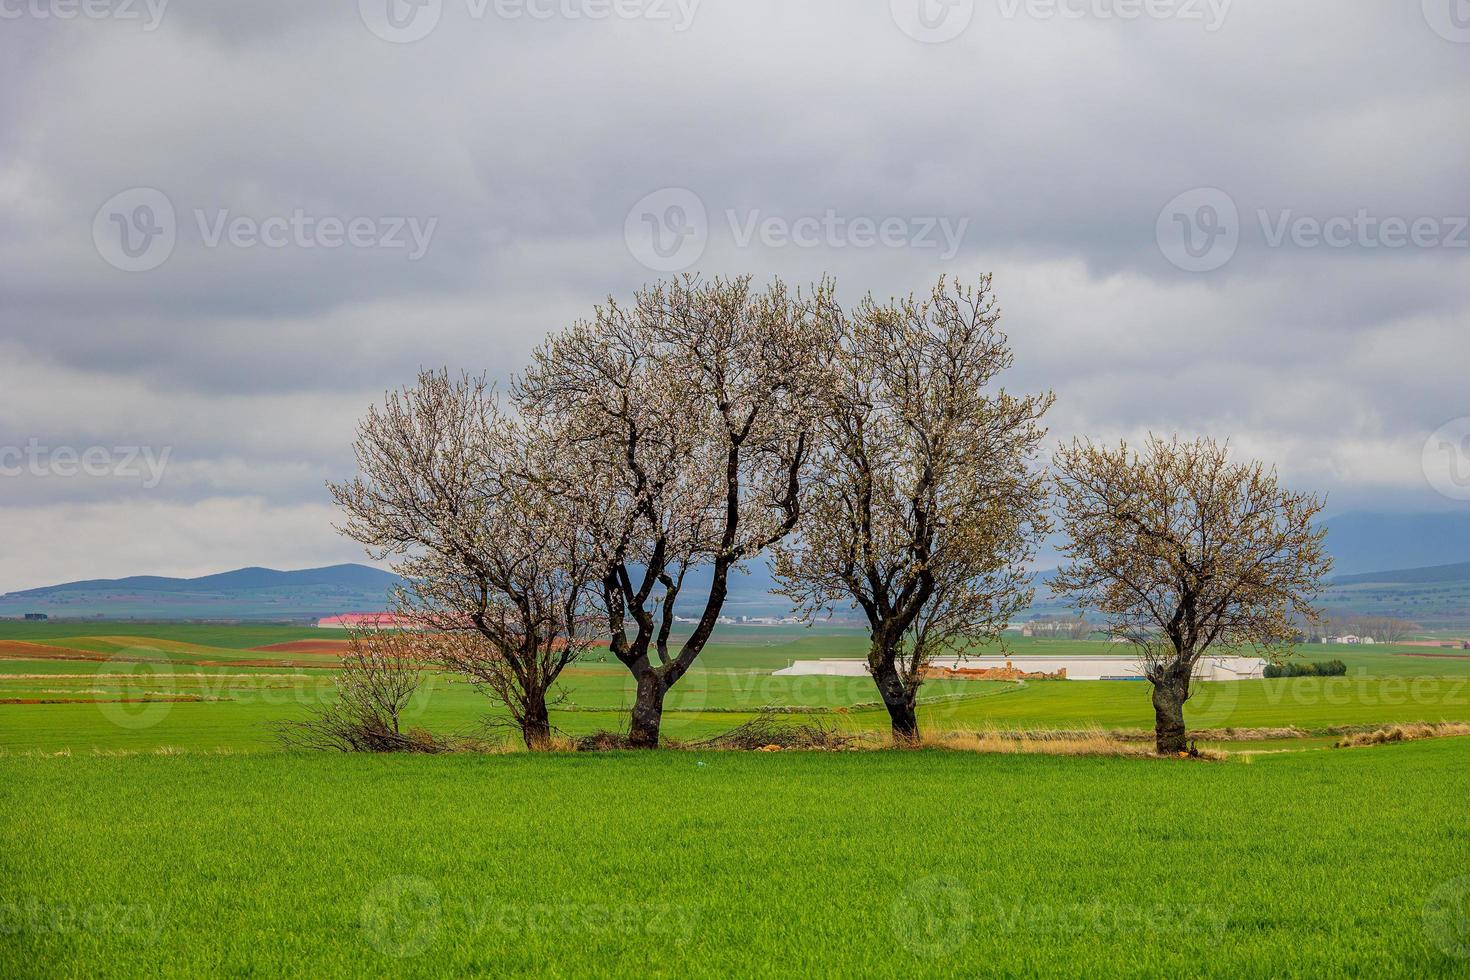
[[1183, 550], [1078, 628], [379, 675], [529, 604], [922, 506], [685, 422], [1073, 627], [452, 491], [1384, 629]]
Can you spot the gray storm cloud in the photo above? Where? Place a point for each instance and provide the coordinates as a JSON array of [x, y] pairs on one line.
[[1054, 136]]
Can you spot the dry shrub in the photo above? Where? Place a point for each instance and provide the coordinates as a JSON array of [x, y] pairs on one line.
[[1402, 733], [380, 673], [504, 738], [1248, 734], [765, 733], [340, 731], [1086, 742], [601, 741], [556, 742]]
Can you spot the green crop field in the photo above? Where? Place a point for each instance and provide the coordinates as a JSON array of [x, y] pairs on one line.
[[130, 686], [153, 824], [1350, 862]]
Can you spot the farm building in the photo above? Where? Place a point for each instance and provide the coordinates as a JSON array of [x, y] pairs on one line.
[[1071, 668], [363, 621]]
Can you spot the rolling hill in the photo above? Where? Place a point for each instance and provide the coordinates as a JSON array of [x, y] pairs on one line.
[[1432, 575], [245, 593], [1363, 542], [332, 576], [1437, 596]]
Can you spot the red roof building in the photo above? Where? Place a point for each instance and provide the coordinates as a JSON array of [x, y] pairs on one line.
[[364, 621]]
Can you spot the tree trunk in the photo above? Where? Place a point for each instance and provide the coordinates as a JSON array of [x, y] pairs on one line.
[[904, 721], [897, 699], [536, 725], [1170, 693], [648, 710]]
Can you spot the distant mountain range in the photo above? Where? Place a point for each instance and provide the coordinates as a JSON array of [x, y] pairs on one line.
[[241, 579], [1436, 597], [245, 593], [1413, 565], [1433, 575], [1366, 542]]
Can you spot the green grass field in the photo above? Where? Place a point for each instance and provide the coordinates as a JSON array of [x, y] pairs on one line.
[[152, 825], [150, 686], [1350, 862]]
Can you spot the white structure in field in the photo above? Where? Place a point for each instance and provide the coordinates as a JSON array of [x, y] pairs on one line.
[[1209, 668]]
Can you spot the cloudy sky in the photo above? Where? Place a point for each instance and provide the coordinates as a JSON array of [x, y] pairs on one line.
[[227, 228]]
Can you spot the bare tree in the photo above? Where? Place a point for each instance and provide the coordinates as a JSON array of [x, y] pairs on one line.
[[1072, 627], [1313, 631], [530, 602], [1078, 628], [1183, 550], [923, 505], [451, 490], [380, 674], [685, 420], [1384, 629]]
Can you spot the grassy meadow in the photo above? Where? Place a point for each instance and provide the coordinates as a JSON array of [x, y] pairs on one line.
[[704, 864], [153, 825], [83, 686]]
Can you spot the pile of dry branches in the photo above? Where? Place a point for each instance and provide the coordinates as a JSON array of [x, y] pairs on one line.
[[765, 731]]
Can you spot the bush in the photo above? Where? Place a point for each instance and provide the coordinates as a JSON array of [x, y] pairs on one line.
[[339, 729], [1320, 668], [380, 674], [765, 732], [602, 741]]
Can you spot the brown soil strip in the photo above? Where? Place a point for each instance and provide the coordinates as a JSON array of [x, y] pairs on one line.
[[12, 650], [20, 650], [314, 665], [305, 646], [171, 700], [176, 675], [1437, 656]]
